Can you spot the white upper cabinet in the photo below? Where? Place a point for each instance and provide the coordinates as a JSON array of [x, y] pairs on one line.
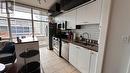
[[70, 17], [58, 19], [90, 13]]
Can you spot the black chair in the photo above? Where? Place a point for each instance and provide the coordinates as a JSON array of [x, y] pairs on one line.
[[7, 53]]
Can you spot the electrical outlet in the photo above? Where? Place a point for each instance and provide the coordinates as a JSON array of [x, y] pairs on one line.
[[126, 39]]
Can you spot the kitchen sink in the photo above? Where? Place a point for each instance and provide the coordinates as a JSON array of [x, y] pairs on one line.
[[85, 43]]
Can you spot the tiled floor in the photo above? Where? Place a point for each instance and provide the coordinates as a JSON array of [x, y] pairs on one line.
[[51, 63]]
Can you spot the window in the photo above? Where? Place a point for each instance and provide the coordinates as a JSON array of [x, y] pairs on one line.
[[21, 28], [40, 15], [40, 22], [4, 31], [21, 12], [3, 15], [40, 28], [21, 23], [13, 29], [26, 30], [3, 10]]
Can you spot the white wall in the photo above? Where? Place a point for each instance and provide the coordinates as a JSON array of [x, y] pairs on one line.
[[128, 70], [92, 29], [118, 51]]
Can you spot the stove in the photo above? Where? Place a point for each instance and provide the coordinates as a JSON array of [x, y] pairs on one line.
[[56, 44]]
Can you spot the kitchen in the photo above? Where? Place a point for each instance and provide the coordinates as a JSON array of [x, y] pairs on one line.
[[71, 38], [76, 39], [64, 36]]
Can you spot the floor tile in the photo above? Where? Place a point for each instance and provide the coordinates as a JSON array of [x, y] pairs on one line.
[[51, 63]]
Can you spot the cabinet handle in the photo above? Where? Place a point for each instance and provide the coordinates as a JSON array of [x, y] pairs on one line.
[[77, 47], [92, 53], [85, 22]]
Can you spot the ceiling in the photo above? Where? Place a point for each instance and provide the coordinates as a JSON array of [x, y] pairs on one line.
[[44, 5]]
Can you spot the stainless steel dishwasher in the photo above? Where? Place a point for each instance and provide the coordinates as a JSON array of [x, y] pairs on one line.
[[65, 50]]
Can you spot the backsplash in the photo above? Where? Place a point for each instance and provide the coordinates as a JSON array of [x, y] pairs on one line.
[[93, 31]]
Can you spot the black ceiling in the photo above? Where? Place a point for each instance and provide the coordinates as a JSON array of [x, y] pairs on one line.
[[65, 5]]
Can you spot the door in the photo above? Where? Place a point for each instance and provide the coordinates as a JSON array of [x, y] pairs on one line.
[[65, 50], [93, 12], [93, 61], [73, 53], [81, 15], [90, 13], [70, 17], [83, 59]]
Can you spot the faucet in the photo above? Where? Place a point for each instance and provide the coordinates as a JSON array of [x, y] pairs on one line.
[[86, 33]]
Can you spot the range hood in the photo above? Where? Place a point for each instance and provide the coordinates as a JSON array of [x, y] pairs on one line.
[[65, 5]]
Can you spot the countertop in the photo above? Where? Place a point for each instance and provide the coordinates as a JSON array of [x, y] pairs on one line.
[[28, 40], [94, 48]]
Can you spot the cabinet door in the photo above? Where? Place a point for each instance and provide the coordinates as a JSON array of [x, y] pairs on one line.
[[73, 53], [81, 15], [65, 50], [93, 12], [59, 19], [93, 62], [71, 19], [83, 60], [90, 13]]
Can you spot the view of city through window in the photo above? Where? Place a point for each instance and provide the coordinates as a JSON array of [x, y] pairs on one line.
[[4, 31], [21, 27], [21, 23]]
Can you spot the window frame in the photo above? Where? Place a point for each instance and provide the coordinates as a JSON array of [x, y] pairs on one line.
[[31, 12]]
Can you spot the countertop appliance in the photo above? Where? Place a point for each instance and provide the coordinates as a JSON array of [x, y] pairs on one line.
[[56, 43], [65, 50]]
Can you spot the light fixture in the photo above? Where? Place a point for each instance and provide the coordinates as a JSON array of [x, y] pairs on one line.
[[40, 1]]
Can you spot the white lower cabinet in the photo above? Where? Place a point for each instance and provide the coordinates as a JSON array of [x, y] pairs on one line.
[[82, 59], [93, 61], [79, 57], [73, 53]]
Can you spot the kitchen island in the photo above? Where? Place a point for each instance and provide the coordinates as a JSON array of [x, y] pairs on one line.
[[25, 46]]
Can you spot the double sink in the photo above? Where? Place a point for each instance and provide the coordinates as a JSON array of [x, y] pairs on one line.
[[88, 43]]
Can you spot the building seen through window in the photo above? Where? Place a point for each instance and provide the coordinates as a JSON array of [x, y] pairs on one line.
[[21, 23], [4, 30]]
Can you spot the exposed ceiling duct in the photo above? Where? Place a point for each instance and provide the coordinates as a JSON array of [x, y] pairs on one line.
[[55, 9], [65, 5], [69, 4]]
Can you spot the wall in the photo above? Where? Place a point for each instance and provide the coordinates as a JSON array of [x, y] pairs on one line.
[[92, 29], [117, 52]]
